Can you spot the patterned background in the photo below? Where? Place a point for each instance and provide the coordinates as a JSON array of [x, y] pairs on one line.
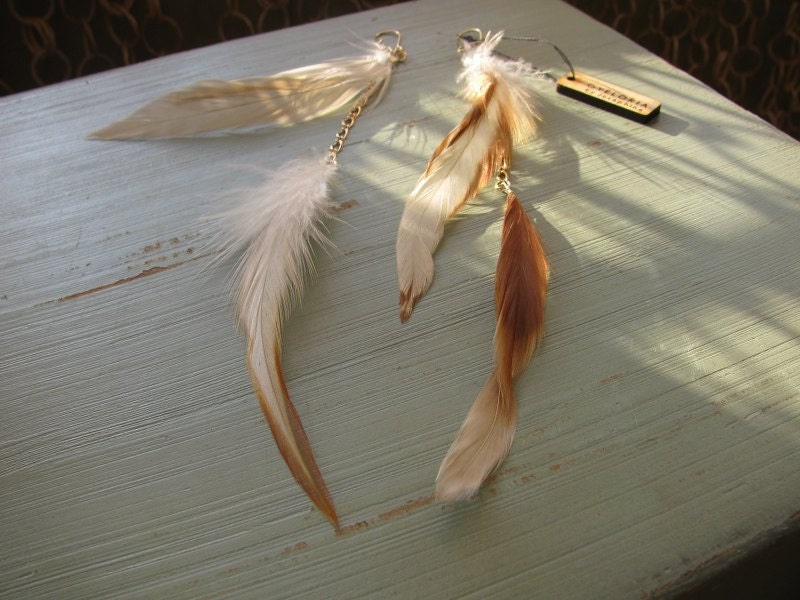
[[748, 50]]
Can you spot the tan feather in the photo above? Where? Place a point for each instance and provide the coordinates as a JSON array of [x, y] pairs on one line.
[[485, 436], [283, 99], [502, 114]]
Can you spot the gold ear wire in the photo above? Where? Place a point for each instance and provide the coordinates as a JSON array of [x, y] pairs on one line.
[[398, 53], [466, 38]]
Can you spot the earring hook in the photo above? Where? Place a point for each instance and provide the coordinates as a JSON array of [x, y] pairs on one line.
[[398, 53], [466, 38]]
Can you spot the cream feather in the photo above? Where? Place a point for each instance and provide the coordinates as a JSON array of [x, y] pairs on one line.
[[283, 99], [502, 114], [485, 437], [277, 223], [481, 444]]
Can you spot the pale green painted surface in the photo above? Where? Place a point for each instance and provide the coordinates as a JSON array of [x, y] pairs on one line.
[[659, 426]]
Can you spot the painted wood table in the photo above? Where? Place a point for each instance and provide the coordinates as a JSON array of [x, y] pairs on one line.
[[659, 424]]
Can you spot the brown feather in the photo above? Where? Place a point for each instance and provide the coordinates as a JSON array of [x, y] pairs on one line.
[[482, 442], [520, 295]]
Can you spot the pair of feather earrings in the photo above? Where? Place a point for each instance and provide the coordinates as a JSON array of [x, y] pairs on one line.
[[277, 222], [479, 147]]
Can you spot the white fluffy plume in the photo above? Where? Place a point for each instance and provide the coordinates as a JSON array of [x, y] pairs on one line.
[[502, 114], [283, 99], [277, 223]]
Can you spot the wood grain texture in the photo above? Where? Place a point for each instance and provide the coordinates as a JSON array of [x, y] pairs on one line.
[[658, 424]]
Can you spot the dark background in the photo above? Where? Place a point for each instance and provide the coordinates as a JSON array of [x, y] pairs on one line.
[[745, 49]]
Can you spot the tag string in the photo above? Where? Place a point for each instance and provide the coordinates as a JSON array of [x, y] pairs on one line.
[[547, 43]]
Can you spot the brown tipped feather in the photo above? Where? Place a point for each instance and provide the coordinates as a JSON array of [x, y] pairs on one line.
[[520, 295], [459, 167], [276, 223], [455, 172]]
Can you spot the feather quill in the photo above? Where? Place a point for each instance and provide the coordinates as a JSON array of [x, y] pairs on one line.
[[277, 224], [502, 114], [283, 99], [520, 294]]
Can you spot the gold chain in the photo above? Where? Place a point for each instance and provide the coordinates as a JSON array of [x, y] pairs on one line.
[[396, 55], [347, 125]]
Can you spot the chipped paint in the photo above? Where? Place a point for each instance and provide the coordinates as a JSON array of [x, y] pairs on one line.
[[146, 273], [406, 508]]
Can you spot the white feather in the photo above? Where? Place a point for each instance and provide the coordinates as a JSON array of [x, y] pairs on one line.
[[277, 223], [283, 99]]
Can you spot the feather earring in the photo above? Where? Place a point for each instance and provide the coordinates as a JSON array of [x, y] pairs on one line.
[[278, 222], [480, 146], [277, 228], [502, 114]]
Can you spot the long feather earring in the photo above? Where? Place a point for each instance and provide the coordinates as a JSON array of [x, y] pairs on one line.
[[480, 146], [277, 223]]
